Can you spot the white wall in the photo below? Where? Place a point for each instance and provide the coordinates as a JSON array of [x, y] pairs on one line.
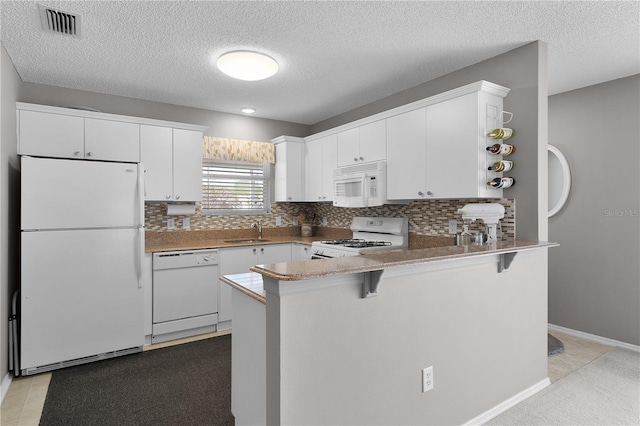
[[335, 358], [594, 276], [9, 202]]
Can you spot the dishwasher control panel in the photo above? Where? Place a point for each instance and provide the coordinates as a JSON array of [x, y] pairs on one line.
[[184, 259]]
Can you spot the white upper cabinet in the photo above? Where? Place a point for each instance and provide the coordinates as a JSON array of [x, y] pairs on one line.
[[406, 155], [67, 136], [289, 169], [50, 135], [172, 160], [439, 151], [111, 140], [320, 161], [362, 144]]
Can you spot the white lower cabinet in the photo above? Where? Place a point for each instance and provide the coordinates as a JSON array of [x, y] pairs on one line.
[[300, 251], [238, 260]]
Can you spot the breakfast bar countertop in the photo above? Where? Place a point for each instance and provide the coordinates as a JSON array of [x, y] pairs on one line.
[[310, 269]]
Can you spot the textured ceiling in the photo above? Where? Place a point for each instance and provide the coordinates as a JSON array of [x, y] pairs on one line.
[[334, 56]]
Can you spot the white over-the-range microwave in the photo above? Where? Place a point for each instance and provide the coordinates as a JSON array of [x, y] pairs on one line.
[[360, 185]]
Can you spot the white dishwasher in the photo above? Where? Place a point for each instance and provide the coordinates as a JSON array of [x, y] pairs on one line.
[[185, 294]]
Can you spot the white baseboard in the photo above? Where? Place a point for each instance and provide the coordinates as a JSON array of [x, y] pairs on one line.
[[4, 385], [594, 337], [509, 403]]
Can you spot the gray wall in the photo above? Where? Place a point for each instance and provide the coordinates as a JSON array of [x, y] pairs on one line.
[[9, 201], [523, 70], [220, 124], [594, 277]]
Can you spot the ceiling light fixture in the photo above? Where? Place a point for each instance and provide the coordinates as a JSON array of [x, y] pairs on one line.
[[248, 110], [247, 65]]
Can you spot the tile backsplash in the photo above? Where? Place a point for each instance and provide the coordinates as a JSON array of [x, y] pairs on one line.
[[429, 217]]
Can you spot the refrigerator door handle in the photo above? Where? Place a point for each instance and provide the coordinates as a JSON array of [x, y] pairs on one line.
[[141, 225], [140, 256]]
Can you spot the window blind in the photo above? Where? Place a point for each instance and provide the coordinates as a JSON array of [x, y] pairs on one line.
[[234, 187]]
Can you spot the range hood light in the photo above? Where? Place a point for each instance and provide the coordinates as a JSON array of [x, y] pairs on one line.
[[248, 110], [247, 65]]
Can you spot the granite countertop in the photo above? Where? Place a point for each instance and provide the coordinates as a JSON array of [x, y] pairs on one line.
[[210, 243], [309, 269], [249, 283]]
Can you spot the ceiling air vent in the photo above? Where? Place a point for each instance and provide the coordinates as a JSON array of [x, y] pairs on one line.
[[59, 22]]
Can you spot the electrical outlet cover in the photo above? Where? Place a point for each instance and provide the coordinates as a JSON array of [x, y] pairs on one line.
[[171, 223]]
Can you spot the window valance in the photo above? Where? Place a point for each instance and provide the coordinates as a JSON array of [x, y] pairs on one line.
[[237, 150]]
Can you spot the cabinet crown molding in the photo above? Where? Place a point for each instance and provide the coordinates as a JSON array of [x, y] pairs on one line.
[[479, 86], [107, 116]]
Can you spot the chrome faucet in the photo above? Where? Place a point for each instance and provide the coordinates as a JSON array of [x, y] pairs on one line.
[[258, 225]]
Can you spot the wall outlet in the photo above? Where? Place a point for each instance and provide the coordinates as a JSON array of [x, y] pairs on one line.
[[427, 379], [186, 223], [325, 222], [171, 223], [294, 220], [278, 221], [453, 226]]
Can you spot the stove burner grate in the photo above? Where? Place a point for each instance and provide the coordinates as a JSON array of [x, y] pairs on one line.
[[365, 244]]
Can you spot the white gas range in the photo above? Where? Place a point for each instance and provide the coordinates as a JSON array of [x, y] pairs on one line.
[[369, 234]]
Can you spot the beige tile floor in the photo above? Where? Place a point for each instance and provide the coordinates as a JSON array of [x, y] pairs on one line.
[[22, 406]]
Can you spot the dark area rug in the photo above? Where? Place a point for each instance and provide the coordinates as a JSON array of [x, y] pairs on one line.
[[188, 384], [554, 346]]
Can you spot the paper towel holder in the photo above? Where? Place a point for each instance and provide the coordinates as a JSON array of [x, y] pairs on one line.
[[182, 209]]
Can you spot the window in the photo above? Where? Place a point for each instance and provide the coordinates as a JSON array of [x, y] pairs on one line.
[[235, 187]]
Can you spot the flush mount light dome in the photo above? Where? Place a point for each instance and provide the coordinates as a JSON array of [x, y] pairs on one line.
[[247, 65], [248, 110]]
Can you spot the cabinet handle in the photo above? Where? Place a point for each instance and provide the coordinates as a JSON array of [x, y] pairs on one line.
[[76, 153], [355, 159], [177, 197], [168, 197], [89, 154], [420, 193], [288, 198], [254, 250], [429, 193], [319, 197], [361, 158]]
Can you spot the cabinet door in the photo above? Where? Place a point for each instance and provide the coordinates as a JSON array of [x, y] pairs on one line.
[[274, 253], [313, 170], [50, 135], [289, 174], [406, 156], [234, 260], [156, 152], [300, 252], [187, 165], [349, 147], [452, 148], [373, 141], [329, 164], [111, 140]]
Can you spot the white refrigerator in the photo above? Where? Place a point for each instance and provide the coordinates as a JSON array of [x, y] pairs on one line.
[[82, 245]]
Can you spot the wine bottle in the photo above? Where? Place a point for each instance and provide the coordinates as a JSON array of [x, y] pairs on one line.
[[500, 133], [501, 149], [504, 182], [501, 166]]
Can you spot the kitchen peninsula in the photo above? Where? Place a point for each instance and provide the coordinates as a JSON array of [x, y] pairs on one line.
[[312, 346]]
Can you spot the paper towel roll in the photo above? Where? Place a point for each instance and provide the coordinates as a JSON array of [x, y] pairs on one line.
[[181, 209]]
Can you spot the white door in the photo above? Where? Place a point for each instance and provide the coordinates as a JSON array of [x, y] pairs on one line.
[[156, 155], [50, 135], [69, 194], [79, 294], [111, 140], [187, 165]]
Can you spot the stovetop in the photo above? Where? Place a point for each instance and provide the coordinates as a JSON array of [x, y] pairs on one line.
[[356, 243]]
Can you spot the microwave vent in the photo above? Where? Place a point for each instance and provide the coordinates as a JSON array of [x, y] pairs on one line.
[[59, 22], [359, 168]]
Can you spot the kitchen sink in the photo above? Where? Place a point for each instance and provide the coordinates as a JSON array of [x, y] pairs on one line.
[[249, 240]]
